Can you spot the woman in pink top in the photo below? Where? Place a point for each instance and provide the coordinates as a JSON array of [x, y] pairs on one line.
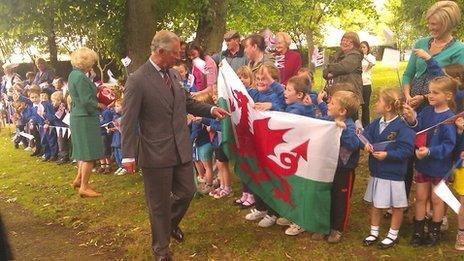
[[204, 69], [288, 61]]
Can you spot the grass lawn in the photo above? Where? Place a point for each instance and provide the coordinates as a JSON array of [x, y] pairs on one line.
[[214, 228]]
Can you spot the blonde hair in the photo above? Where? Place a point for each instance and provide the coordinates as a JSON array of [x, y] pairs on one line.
[[446, 84], [57, 96], [269, 69], [392, 98], [284, 37], [349, 101], [163, 40], [84, 58], [246, 71], [205, 97], [447, 12]]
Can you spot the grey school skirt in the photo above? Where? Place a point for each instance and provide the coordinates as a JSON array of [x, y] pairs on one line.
[[384, 193]]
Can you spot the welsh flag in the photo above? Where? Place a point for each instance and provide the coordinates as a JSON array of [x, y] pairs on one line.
[[288, 160]]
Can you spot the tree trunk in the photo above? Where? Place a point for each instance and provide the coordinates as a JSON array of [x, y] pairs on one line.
[[51, 42], [140, 28], [211, 25], [53, 49], [310, 42]]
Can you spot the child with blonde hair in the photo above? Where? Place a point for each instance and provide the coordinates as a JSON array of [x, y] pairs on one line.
[[387, 165]]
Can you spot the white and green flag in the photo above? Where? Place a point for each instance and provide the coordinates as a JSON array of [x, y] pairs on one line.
[[288, 160]]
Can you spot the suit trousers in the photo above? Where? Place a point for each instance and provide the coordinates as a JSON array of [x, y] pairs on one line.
[[168, 192]]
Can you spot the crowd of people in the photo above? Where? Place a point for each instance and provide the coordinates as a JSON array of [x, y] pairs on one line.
[[275, 79]]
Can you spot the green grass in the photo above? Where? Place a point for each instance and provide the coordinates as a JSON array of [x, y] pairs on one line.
[[214, 228]]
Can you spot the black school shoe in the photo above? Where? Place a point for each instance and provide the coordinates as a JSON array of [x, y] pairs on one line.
[[418, 236], [434, 233], [392, 243], [367, 242]]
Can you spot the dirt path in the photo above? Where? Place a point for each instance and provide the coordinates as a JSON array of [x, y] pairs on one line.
[[32, 239]]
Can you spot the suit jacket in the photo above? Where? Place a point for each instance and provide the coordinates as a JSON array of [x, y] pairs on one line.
[[46, 76], [154, 123]]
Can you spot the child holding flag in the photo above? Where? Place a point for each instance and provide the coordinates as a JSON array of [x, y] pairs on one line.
[[434, 155], [387, 165]]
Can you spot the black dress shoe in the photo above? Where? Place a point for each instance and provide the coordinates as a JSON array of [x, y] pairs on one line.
[[35, 153], [164, 258], [392, 243], [53, 158], [45, 159], [177, 234]]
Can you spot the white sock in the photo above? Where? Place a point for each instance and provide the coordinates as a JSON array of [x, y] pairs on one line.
[[393, 234], [374, 233]]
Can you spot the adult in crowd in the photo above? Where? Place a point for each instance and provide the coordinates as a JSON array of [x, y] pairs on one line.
[[345, 65], [442, 18], [204, 69], [84, 122], [367, 63], [287, 61], [10, 77], [154, 128], [44, 77], [234, 54], [255, 52]]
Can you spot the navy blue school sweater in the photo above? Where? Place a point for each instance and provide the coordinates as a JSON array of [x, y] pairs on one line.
[[269, 95], [394, 166], [297, 108], [441, 141], [278, 89], [198, 134], [216, 127], [349, 145]]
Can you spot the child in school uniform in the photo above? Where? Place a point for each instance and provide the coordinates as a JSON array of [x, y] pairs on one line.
[[434, 158], [247, 199], [315, 105], [45, 119], [222, 162], [294, 94], [106, 117], [265, 98], [59, 107], [188, 80], [203, 146], [388, 166], [116, 138]]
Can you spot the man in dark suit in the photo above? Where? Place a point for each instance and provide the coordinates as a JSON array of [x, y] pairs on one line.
[[44, 77], [154, 129]]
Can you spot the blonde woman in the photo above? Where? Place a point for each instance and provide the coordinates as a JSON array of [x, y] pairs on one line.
[[85, 124], [442, 18]]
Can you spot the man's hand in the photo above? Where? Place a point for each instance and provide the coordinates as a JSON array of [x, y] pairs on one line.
[[219, 113], [129, 165]]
